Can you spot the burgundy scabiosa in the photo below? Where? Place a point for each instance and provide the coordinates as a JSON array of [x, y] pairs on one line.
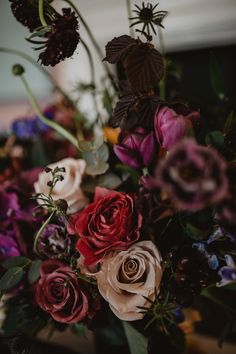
[[26, 12], [136, 149], [193, 176], [62, 40]]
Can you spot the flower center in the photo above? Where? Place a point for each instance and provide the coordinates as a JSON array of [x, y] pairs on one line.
[[146, 14]]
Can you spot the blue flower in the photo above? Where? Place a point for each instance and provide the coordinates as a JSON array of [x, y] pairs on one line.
[[228, 272]]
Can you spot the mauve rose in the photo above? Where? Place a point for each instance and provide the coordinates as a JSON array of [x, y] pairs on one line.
[[128, 278], [193, 176], [59, 293], [136, 149], [111, 222], [69, 189], [170, 127]]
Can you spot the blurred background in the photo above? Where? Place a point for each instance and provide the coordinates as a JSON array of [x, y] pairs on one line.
[[200, 43]]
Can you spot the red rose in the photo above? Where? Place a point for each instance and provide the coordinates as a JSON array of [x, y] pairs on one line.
[[59, 293], [109, 223]]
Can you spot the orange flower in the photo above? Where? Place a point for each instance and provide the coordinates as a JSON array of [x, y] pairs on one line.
[[111, 134]]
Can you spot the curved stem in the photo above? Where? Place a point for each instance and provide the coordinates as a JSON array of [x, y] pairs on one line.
[[41, 14], [128, 5], [35, 247], [162, 84], [39, 67], [93, 40], [65, 133]]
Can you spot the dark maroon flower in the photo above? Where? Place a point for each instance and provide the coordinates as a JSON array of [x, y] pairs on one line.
[[111, 222], [136, 149], [193, 176], [54, 241], [59, 293], [62, 40], [26, 12]]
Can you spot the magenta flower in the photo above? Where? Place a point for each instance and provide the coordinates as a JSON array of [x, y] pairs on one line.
[[193, 176], [170, 127], [136, 149]]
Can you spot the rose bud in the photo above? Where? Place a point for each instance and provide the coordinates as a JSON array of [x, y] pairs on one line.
[[130, 280], [170, 127], [193, 176], [111, 222], [137, 149], [60, 293]]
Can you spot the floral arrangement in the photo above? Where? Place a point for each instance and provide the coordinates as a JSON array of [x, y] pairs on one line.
[[121, 223]]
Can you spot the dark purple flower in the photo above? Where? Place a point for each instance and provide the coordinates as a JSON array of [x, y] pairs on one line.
[[193, 176], [171, 127], [26, 12], [54, 241], [228, 272], [136, 149], [28, 128], [8, 247], [62, 40]]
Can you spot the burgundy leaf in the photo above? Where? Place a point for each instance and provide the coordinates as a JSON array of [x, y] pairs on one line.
[[118, 47]]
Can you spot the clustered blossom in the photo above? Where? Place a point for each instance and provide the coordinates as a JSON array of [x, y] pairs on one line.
[[193, 176], [26, 12]]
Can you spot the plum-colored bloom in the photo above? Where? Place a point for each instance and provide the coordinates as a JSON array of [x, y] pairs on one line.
[[128, 278], [54, 241], [69, 189], [136, 149], [8, 247], [170, 127], [193, 176], [59, 293], [111, 222]]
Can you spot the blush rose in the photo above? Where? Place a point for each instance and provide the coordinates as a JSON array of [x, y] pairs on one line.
[[128, 278]]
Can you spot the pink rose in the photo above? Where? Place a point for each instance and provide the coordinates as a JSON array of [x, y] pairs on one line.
[[128, 278], [59, 293], [170, 127], [111, 222]]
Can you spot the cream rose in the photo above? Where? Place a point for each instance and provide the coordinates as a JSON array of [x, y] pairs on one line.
[[68, 189], [126, 277]]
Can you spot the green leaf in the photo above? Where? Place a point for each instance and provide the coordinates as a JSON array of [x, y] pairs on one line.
[[78, 328], [94, 145], [217, 78], [99, 169], [11, 278], [138, 344], [215, 138], [133, 173], [34, 271], [110, 181], [103, 153], [194, 233], [221, 296], [107, 102], [19, 261], [230, 122]]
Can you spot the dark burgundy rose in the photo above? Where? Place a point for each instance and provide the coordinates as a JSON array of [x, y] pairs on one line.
[[111, 222], [59, 293], [136, 149], [193, 176]]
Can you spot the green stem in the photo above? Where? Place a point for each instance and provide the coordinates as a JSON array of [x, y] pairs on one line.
[[41, 14], [39, 67], [162, 84], [46, 222], [65, 133], [95, 44], [128, 5]]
